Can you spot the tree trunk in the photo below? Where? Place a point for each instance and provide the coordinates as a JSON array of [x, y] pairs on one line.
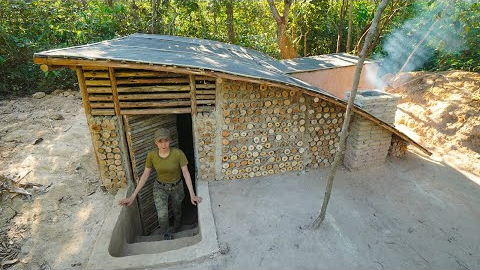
[[287, 49], [110, 3], [343, 135], [340, 26], [154, 15], [231, 33], [349, 35]]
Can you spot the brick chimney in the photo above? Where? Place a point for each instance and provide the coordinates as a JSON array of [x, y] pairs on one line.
[[368, 143]]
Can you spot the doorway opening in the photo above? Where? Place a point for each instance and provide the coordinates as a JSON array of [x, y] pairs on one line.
[[140, 136]]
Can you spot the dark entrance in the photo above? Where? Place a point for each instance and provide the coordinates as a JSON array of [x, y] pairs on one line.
[[185, 143]]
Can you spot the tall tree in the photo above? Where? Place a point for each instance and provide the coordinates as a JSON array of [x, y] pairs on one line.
[[285, 44], [230, 31], [393, 10], [346, 123], [343, 8], [350, 19]]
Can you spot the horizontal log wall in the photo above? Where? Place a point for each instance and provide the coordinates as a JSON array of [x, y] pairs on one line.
[[146, 92]]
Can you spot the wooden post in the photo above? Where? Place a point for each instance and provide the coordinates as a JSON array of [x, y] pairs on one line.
[[83, 91], [113, 84], [193, 94]]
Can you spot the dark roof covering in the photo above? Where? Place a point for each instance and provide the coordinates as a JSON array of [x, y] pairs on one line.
[[311, 63]]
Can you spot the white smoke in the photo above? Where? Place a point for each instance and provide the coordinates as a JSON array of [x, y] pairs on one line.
[[445, 36]]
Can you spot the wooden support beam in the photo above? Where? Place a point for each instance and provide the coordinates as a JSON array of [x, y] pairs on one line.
[[155, 88], [113, 83], [155, 104], [153, 96], [83, 91], [165, 110], [193, 94]]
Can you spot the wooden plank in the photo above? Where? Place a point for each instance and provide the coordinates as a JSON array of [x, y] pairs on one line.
[[94, 68], [205, 101], [153, 96], [83, 91], [206, 92], [205, 96], [113, 83], [193, 94], [155, 111], [165, 110], [100, 98], [205, 86], [103, 112], [97, 82], [99, 90], [154, 88], [143, 73], [152, 80], [96, 74], [97, 105], [156, 104]]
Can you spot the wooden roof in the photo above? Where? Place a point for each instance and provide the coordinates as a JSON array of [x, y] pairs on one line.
[[205, 57]]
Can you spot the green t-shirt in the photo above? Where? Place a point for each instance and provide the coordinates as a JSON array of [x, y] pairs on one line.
[[168, 169]]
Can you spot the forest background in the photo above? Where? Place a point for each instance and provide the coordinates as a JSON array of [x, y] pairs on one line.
[[442, 34]]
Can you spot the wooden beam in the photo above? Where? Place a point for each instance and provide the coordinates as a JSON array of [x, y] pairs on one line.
[[113, 83], [153, 96], [154, 88], [164, 110], [155, 104], [83, 91], [193, 94], [46, 68], [103, 112]]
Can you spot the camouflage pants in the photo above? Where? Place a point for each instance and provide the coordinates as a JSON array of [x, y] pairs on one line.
[[161, 193]]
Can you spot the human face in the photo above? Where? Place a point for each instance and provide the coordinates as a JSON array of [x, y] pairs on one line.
[[163, 144]]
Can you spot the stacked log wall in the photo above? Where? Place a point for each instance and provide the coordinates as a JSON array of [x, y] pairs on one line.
[[110, 152], [206, 124], [324, 126]]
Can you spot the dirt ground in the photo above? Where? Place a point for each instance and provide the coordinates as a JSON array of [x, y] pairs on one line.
[[416, 212]]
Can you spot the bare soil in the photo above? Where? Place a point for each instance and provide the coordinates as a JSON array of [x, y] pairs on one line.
[[56, 227]]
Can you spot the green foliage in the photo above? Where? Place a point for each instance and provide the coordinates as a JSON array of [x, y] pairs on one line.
[[29, 26]]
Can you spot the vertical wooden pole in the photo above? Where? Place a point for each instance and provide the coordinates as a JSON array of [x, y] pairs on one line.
[[88, 114], [83, 91], [218, 133], [121, 127], [113, 84], [193, 93]]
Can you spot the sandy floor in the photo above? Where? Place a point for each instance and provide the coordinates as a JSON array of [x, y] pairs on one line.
[[416, 212]]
